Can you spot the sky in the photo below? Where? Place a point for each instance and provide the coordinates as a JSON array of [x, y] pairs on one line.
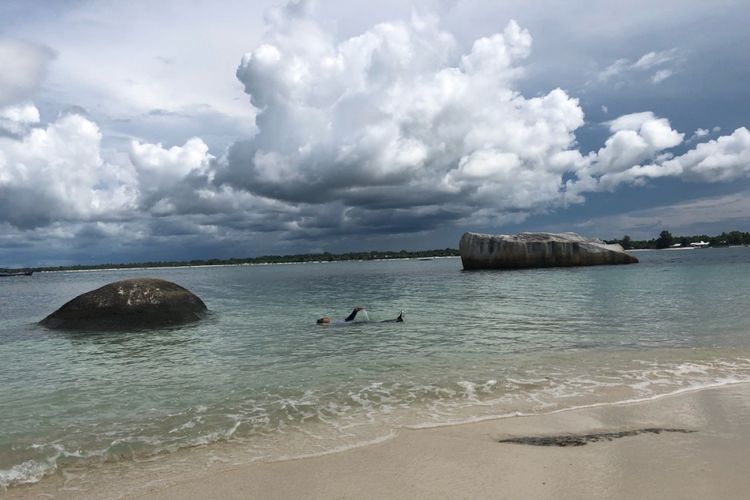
[[175, 130]]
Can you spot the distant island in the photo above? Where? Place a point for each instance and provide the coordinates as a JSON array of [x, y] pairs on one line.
[[265, 259], [665, 240]]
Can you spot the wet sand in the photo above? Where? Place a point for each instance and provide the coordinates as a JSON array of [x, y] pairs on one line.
[[691, 445]]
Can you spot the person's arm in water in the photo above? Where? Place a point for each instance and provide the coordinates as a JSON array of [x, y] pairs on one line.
[[353, 314]]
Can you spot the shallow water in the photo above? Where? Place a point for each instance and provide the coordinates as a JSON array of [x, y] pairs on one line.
[[259, 379]]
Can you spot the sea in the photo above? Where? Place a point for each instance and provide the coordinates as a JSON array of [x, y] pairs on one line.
[[258, 379]]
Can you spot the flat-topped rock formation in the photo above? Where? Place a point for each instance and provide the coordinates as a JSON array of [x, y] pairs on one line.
[[526, 250], [128, 304]]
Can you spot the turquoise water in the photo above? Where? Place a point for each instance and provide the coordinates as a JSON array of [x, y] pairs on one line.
[[260, 380]]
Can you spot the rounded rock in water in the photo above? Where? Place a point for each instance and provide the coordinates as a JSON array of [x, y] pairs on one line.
[[129, 304]]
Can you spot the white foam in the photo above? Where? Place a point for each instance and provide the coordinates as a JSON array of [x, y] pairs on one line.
[[623, 402], [27, 472], [282, 427]]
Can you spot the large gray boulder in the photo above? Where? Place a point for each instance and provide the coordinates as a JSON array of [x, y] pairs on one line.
[[486, 251], [129, 304]]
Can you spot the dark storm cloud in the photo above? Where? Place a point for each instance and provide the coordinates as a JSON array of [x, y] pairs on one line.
[[416, 125]]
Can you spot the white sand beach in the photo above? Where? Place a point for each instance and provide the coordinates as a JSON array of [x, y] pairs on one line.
[[467, 461]]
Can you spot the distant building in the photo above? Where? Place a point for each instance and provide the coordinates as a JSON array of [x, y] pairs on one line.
[[699, 244]]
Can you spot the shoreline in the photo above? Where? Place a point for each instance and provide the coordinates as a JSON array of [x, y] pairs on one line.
[[397, 466], [583, 407], [466, 460], [296, 262]]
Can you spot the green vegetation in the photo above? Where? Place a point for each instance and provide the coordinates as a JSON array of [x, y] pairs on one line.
[[265, 259], [666, 240]]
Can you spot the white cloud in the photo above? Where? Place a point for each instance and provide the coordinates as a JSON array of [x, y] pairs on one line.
[[401, 117], [23, 67], [665, 61], [160, 71], [661, 75], [160, 168], [721, 160], [57, 173], [56, 176], [636, 137], [399, 128], [16, 120], [653, 59], [701, 132], [23, 115], [614, 69], [177, 180]]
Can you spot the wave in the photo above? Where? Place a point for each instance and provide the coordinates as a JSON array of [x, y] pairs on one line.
[[284, 423]]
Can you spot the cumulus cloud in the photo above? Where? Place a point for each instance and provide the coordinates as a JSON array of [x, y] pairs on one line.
[[399, 129], [23, 66], [721, 160], [56, 177], [635, 137], [16, 120], [400, 118], [163, 174], [57, 173]]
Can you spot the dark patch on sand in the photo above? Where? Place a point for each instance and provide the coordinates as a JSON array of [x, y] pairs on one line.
[[583, 439]]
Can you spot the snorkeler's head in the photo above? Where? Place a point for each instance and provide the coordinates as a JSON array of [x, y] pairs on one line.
[[324, 320]]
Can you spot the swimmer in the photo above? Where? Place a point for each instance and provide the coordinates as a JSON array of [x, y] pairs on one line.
[[326, 320]]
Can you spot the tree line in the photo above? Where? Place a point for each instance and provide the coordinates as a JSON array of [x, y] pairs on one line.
[[264, 259], [666, 240]]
